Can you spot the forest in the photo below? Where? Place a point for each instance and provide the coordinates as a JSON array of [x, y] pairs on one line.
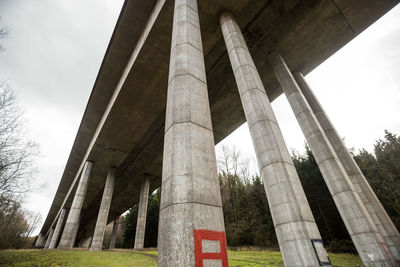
[[248, 221]]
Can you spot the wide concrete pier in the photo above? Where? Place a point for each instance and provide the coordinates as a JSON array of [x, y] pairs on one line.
[[377, 212], [165, 94], [49, 237], [114, 233], [294, 223], [40, 241], [57, 230], [142, 214], [98, 236], [68, 235], [190, 195], [363, 231]]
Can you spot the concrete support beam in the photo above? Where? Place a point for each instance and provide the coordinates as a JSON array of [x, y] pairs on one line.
[[67, 238], [75, 231], [378, 214], [363, 231], [294, 223], [40, 241], [114, 234], [142, 213], [191, 205], [98, 236], [57, 230], [46, 246]]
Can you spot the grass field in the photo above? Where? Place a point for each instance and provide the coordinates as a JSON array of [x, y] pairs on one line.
[[148, 258]]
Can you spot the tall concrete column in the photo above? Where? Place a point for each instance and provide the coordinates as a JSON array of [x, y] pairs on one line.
[[40, 241], [191, 206], [98, 236], [76, 230], [294, 223], [57, 230], [364, 233], [46, 246], [142, 213], [114, 234], [363, 188], [67, 238]]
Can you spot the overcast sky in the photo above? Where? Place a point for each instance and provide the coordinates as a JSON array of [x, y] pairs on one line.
[[55, 48]]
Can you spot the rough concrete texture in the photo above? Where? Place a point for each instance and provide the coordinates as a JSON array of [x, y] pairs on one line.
[[293, 220], [67, 238], [131, 137], [98, 236], [114, 234], [190, 194], [50, 236], [40, 241], [363, 231], [75, 230], [376, 210], [57, 230], [142, 213]]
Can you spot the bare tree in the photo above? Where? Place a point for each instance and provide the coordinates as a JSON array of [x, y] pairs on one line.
[[33, 220], [16, 153], [231, 168]]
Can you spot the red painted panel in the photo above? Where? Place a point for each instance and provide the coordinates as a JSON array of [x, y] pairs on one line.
[[200, 235]]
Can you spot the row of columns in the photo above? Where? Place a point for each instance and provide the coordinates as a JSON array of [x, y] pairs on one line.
[[70, 231], [190, 213], [191, 226]]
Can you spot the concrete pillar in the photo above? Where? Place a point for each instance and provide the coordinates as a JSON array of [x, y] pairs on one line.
[[191, 206], [142, 213], [98, 236], [114, 234], [76, 230], [67, 240], [40, 241], [294, 223], [49, 237], [363, 188], [57, 231], [363, 231]]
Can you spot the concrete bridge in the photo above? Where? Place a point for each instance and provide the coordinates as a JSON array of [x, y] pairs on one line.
[[178, 77]]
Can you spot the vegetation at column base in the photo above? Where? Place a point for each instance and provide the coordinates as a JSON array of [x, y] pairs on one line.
[[36, 257]]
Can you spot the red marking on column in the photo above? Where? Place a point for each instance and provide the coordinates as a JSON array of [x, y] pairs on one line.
[[200, 235]]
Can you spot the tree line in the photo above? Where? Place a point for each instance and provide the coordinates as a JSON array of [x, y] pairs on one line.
[[247, 217]]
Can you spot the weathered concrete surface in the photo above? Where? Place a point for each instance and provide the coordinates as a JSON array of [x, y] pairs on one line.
[[49, 237], [142, 214], [40, 241], [293, 220], [114, 233], [190, 195], [75, 230], [98, 236], [71, 224], [364, 190], [359, 224], [58, 229], [123, 124]]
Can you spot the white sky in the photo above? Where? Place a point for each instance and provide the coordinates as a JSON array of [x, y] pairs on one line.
[[55, 49]]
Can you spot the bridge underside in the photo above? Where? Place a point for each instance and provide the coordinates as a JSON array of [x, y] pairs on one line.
[[131, 86]]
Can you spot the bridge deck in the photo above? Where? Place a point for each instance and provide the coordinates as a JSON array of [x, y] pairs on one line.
[[123, 123]]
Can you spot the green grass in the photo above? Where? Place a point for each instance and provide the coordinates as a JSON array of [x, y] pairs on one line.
[[148, 258]]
